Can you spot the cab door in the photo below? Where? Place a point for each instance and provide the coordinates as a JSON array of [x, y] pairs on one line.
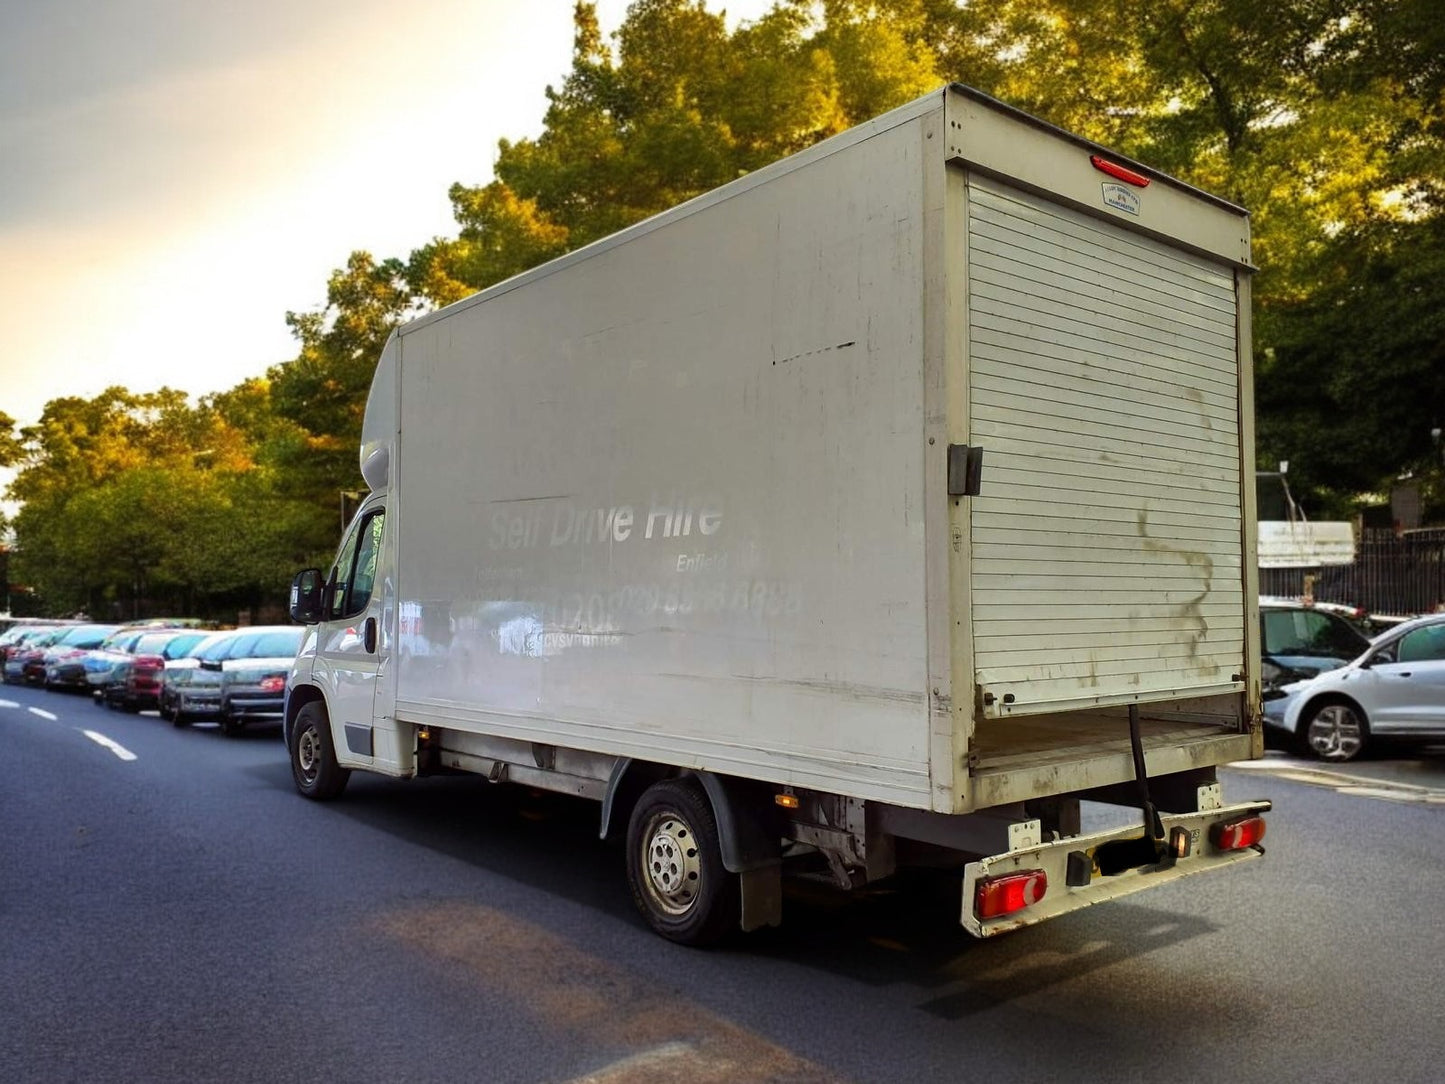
[[349, 655]]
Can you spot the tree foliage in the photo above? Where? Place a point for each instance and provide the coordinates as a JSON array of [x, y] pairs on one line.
[[144, 498]]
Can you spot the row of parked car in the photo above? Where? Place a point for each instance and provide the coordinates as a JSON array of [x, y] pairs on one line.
[[232, 676]]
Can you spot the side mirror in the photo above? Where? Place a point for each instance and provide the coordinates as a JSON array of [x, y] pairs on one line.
[[307, 596]]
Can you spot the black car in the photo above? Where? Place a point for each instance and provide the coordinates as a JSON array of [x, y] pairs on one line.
[[1299, 640]]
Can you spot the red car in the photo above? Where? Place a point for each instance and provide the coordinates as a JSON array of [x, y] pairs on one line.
[[135, 683], [27, 653], [17, 636], [62, 665]]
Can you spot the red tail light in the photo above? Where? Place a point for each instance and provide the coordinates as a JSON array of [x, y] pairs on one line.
[[996, 896], [273, 684], [1237, 835]]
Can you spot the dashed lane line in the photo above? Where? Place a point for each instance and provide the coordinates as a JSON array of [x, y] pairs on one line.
[[114, 746], [100, 739]]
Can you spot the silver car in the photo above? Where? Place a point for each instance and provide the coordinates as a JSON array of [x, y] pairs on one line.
[[1395, 690], [191, 686], [253, 678]]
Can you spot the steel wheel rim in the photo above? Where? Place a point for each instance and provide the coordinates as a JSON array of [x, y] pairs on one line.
[[671, 863], [1335, 732], [308, 753]]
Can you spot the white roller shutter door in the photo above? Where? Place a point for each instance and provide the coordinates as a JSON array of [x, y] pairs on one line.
[[1104, 389]]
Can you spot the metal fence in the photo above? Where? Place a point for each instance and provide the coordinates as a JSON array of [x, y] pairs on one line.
[[1392, 574]]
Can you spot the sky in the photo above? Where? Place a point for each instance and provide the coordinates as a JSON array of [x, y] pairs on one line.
[[175, 175]]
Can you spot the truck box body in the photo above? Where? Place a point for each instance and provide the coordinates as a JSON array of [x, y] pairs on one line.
[[899, 470]]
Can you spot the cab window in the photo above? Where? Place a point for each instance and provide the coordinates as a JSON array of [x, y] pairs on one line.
[[355, 573]]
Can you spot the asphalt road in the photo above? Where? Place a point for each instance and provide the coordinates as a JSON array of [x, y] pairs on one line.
[[170, 910]]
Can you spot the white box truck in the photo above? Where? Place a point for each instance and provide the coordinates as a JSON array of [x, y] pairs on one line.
[[876, 508]]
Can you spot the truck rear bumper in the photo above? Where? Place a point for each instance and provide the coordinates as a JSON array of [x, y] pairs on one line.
[[1053, 859]]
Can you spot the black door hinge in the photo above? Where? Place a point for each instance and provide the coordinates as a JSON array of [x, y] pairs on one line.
[[965, 470]]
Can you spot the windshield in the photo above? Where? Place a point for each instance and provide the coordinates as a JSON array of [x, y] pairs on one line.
[[278, 644], [178, 647], [267, 643], [86, 636], [1311, 633], [216, 647], [153, 643]]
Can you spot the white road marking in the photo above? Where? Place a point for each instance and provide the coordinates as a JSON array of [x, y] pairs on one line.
[[115, 747], [8, 704], [1359, 786], [648, 1065], [43, 713]]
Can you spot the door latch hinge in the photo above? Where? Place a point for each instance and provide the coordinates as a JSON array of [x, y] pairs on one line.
[[965, 470]]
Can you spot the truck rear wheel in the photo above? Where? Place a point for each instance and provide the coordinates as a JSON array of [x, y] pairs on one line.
[[675, 868], [313, 760]]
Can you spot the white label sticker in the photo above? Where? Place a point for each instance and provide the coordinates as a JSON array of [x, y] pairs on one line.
[[1122, 199]]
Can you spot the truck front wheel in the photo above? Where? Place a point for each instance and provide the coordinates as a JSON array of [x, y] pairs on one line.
[[675, 868], [313, 760]]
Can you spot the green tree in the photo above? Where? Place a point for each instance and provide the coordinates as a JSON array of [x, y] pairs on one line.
[[11, 447], [324, 388], [131, 499], [679, 107], [319, 399], [1353, 384]]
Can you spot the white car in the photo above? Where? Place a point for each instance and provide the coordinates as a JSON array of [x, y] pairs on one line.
[[1395, 690]]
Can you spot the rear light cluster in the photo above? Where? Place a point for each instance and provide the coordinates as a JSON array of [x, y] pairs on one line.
[[273, 684], [995, 897], [1237, 835]]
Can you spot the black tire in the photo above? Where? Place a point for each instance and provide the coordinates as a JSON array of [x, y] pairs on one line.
[[674, 865], [1334, 731], [313, 759], [177, 717], [230, 725]]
